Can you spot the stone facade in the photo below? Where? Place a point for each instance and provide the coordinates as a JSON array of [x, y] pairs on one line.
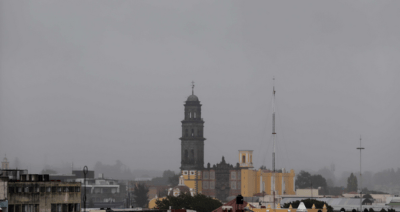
[[42, 196], [221, 180], [192, 140]]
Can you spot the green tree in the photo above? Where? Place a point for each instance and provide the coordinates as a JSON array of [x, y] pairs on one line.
[[174, 180], [168, 173], [368, 196], [318, 181], [371, 210], [199, 202], [309, 203], [352, 183], [383, 210], [140, 194], [303, 180], [306, 180]]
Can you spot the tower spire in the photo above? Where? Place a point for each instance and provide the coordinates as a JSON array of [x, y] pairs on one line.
[[192, 87]]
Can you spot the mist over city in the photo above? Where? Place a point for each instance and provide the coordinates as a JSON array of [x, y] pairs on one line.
[[155, 90]]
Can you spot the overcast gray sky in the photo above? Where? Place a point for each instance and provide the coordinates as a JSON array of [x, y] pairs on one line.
[[87, 81]]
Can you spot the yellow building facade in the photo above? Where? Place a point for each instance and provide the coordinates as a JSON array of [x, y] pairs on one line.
[[251, 181], [263, 181], [193, 179]]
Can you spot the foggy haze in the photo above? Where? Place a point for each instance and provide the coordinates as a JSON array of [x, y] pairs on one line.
[[89, 81]]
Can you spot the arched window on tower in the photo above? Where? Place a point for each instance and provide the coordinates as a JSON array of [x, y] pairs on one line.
[[187, 133], [194, 115], [190, 114], [192, 154], [186, 154], [192, 132]]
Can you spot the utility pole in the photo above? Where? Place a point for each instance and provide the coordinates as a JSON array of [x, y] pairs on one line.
[[360, 148]]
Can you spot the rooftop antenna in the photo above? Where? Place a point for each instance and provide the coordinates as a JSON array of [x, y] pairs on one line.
[[273, 139], [192, 87]]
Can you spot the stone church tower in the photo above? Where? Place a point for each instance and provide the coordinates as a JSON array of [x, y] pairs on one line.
[[192, 140]]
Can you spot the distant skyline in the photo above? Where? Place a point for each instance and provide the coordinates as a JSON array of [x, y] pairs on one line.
[[105, 81]]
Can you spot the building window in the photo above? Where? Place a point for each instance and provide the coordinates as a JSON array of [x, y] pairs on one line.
[[243, 159], [77, 207], [53, 189], [187, 133], [194, 115], [205, 175], [19, 189], [239, 186], [48, 189], [70, 207], [233, 175], [185, 173], [233, 185], [192, 132], [186, 154], [212, 175], [11, 190], [192, 173], [192, 154], [212, 185], [239, 175], [205, 185]]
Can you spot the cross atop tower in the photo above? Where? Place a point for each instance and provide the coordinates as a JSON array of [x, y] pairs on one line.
[[273, 85], [192, 87]]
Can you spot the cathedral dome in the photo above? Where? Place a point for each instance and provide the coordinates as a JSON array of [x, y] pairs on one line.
[[192, 98]]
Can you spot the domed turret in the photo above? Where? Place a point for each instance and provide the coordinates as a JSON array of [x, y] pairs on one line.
[[192, 98]]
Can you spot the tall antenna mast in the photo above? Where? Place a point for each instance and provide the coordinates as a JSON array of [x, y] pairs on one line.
[[273, 126], [273, 140], [360, 189]]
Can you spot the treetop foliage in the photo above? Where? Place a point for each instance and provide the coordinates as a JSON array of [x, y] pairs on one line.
[[352, 183], [140, 194], [199, 202], [306, 180]]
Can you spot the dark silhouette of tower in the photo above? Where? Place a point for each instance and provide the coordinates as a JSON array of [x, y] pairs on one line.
[[192, 140]]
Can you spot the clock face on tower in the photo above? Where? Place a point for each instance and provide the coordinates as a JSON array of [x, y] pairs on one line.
[[192, 140]]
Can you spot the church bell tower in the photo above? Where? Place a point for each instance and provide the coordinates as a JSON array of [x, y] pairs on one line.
[[192, 140]]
